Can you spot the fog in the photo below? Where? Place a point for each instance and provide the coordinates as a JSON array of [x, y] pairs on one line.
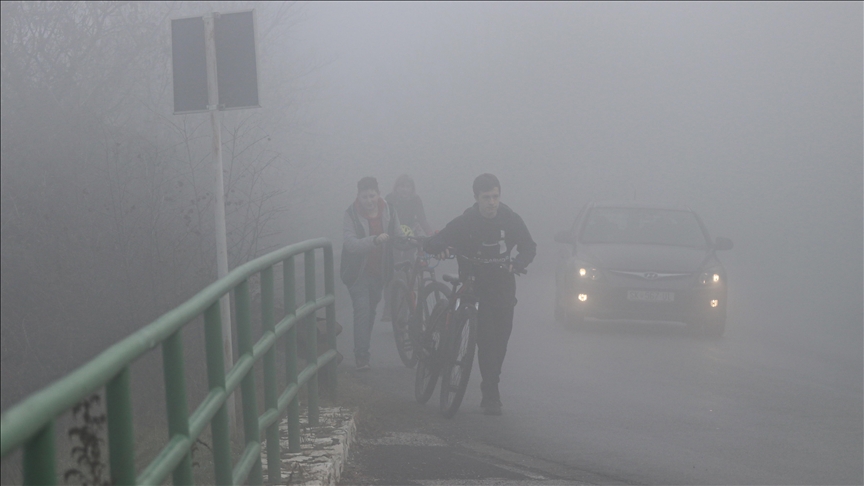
[[749, 113]]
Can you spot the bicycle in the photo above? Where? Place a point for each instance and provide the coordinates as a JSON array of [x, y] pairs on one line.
[[412, 299], [449, 341]]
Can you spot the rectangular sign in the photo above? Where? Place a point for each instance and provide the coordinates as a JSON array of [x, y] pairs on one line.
[[189, 65], [236, 62]]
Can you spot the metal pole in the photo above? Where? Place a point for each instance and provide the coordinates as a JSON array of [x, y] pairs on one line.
[[219, 193]]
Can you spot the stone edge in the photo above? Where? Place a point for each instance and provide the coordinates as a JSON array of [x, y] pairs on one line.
[[324, 448]]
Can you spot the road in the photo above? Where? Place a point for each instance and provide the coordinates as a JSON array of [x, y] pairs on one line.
[[773, 402]]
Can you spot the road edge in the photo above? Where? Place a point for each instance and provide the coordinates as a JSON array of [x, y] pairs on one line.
[[324, 448]]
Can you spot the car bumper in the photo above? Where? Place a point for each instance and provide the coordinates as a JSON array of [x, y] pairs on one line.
[[676, 304]]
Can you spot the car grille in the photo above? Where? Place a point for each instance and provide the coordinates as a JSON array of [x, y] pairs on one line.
[[650, 276]]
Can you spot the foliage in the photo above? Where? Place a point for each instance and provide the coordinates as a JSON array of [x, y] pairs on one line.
[[107, 199]]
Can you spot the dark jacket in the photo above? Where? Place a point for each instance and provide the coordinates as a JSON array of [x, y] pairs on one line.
[[357, 243], [472, 234]]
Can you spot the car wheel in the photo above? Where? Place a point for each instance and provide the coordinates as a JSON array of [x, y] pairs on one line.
[[576, 320], [571, 319], [714, 327], [560, 314]]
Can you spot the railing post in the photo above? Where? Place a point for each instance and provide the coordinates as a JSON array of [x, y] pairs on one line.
[[311, 336], [290, 298], [247, 386], [175, 400], [216, 382], [38, 461], [329, 289], [121, 438], [31, 425], [271, 400]]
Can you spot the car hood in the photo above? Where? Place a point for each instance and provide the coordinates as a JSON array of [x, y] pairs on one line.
[[655, 258]]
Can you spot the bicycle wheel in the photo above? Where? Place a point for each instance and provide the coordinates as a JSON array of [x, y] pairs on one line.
[[432, 293], [428, 360], [400, 314], [461, 342]]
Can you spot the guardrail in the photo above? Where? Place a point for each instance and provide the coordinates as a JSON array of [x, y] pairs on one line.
[[30, 424]]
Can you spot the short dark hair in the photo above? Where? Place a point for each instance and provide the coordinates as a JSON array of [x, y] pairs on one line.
[[485, 182], [367, 183]]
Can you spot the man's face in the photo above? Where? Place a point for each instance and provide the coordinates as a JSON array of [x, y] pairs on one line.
[[368, 199], [488, 202]]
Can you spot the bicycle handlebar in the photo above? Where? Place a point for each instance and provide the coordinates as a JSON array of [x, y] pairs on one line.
[[416, 241], [503, 264]]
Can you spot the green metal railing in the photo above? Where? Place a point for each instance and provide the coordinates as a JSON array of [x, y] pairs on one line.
[[30, 424]]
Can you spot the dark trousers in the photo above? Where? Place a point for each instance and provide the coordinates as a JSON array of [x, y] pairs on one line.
[[494, 325]]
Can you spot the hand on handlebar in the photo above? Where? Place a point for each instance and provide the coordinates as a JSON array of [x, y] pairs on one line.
[[517, 271], [506, 265], [383, 237]]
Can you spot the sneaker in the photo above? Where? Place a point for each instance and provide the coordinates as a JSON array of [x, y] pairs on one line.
[[362, 364], [492, 409], [491, 406]]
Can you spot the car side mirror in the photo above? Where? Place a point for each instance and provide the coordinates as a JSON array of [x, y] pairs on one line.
[[564, 237], [723, 243]]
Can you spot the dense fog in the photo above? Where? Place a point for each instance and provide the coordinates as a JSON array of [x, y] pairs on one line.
[[749, 113]]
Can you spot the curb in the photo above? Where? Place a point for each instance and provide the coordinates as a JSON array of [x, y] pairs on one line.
[[324, 448]]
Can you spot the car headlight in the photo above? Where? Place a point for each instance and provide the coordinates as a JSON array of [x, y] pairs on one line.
[[584, 271], [710, 277]]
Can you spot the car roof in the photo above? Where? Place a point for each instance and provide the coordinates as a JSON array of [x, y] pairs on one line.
[[638, 204]]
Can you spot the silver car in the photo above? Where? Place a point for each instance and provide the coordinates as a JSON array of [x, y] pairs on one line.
[[643, 262]]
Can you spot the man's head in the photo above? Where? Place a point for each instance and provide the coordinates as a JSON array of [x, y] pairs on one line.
[[367, 193], [487, 193]]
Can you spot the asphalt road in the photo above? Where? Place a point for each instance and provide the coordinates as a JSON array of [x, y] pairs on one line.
[[773, 402]]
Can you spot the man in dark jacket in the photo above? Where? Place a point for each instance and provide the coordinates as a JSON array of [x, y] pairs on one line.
[[489, 230], [367, 260]]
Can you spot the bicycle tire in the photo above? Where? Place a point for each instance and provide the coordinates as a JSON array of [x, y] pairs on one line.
[[400, 314], [428, 357], [432, 293], [459, 359]]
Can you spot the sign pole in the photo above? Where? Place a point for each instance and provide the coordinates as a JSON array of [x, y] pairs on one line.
[[219, 193]]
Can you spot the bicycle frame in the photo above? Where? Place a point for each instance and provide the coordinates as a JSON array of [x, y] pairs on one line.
[[463, 294], [415, 272], [450, 340], [464, 287]]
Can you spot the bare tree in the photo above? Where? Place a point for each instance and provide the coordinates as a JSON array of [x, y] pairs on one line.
[[106, 207]]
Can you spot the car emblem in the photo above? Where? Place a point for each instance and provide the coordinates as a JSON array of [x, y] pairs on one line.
[[650, 276]]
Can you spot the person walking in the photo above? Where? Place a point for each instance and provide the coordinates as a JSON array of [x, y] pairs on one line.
[[367, 260], [489, 230], [409, 207]]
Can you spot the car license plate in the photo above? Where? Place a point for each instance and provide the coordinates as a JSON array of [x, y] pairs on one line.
[[650, 296]]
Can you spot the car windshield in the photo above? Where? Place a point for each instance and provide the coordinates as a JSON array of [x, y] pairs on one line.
[[643, 226]]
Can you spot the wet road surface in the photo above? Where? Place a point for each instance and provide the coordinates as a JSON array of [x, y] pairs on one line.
[[773, 402]]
